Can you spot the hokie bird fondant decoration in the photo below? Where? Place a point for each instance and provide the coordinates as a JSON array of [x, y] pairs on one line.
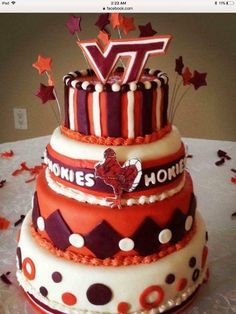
[[120, 178]]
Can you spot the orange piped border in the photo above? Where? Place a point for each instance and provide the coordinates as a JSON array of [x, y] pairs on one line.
[[114, 261], [112, 141]]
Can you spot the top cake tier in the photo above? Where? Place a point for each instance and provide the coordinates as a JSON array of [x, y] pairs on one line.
[[132, 112]]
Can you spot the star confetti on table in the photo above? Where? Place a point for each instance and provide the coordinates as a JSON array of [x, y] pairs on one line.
[[115, 19], [45, 93], [146, 30], [43, 64], [4, 223], [104, 37], [198, 79], [179, 65], [187, 75], [127, 24], [73, 24], [7, 154], [102, 21]]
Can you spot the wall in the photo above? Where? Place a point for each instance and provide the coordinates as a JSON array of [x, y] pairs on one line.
[[207, 43]]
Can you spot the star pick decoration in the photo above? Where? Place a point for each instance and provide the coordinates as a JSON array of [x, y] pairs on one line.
[[127, 24], [102, 21], [187, 75], [43, 64], [115, 20], [146, 30], [73, 24], [198, 79], [104, 37], [179, 65], [45, 93]]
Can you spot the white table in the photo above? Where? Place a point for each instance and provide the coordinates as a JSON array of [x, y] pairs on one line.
[[216, 197]]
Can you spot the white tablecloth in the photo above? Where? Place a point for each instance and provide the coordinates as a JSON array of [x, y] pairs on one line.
[[216, 197]]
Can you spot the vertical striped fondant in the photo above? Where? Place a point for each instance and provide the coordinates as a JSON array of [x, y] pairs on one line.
[[82, 112], [165, 105], [138, 99], [71, 108], [154, 101], [146, 112], [158, 107], [114, 114], [124, 113], [66, 106], [130, 114], [103, 108], [75, 110], [96, 114], [90, 113]]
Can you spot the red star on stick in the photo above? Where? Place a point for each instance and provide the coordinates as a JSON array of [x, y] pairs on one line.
[[104, 37], [73, 24], [127, 24], [102, 20], [179, 65], [115, 19], [146, 30], [198, 79], [187, 75], [45, 93], [42, 64]]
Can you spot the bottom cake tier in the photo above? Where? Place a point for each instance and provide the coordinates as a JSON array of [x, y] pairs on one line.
[[59, 285]]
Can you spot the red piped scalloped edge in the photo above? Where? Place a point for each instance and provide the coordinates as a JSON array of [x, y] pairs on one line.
[[114, 261], [112, 141]]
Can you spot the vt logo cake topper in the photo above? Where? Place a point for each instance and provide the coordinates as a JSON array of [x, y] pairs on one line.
[[137, 50]]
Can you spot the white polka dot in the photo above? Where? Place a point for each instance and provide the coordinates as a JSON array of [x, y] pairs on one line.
[[98, 87], [41, 223], [85, 84], [132, 86], [76, 240], [126, 244], [115, 87], [165, 236], [147, 85], [188, 223]]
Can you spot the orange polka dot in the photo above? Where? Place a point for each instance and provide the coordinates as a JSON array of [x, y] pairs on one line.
[[181, 284], [143, 297], [204, 255], [123, 307], [68, 298], [28, 268]]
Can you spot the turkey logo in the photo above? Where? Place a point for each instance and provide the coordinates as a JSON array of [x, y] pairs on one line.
[[120, 178]]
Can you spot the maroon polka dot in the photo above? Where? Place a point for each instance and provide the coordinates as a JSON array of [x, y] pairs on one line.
[[170, 278], [56, 276], [192, 262], [195, 274], [99, 294], [43, 291]]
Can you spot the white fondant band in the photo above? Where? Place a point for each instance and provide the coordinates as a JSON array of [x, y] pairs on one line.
[[167, 145]]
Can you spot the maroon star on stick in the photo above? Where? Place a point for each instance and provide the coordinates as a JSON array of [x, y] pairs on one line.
[[73, 24], [179, 65], [146, 30], [102, 21], [45, 93], [198, 79]]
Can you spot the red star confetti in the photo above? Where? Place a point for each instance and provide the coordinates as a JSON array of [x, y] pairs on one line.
[[34, 171], [7, 154], [45, 93], [115, 20], [102, 21], [186, 76], [42, 64], [146, 30], [127, 24], [4, 223], [104, 37], [198, 79], [2, 183], [73, 24]]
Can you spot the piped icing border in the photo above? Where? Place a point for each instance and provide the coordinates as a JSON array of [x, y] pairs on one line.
[[117, 111]]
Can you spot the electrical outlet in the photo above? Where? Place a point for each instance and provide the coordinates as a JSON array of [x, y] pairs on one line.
[[20, 118]]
